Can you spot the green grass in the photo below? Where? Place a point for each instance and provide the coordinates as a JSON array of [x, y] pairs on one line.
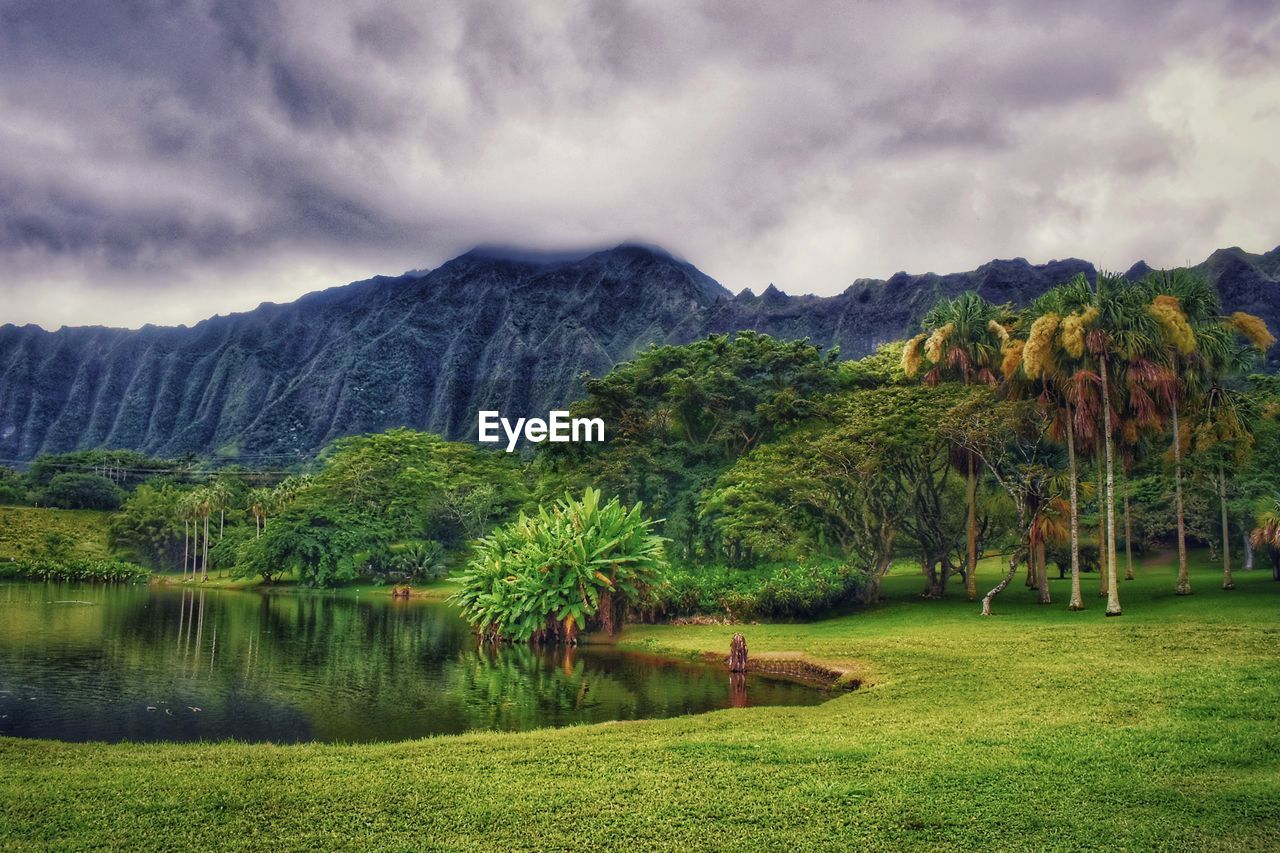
[[23, 530], [1037, 728]]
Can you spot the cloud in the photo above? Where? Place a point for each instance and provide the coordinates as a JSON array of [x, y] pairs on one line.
[[161, 162]]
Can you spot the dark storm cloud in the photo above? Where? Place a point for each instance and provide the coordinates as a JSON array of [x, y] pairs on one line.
[[160, 161]]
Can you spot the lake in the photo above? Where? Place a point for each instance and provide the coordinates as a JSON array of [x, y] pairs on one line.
[[83, 662]]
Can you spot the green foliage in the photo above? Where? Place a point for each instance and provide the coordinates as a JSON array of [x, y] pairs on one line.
[[420, 560], [679, 415], [125, 468], [321, 544], [25, 532], [13, 489], [74, 569], [574, 566], [149, 526], [802, 590], [876, 469], [81, 491]]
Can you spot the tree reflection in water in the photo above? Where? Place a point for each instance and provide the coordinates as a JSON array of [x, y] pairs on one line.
[[184, 663]]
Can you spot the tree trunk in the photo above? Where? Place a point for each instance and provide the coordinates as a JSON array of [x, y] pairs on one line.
[[971, 577], [1042, 573], [738, 653], [222, 517], [1102, 529], [195, 546], [204, 564], [1113, 591], [1248, 552], [1077, 602], [186, 545], [999, 588], [930, 578], [1183, 586], [1128, 530], [1227, 583]]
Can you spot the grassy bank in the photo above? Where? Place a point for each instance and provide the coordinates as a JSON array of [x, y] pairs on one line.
[[25, 532], [1037, 728], [429, 590]]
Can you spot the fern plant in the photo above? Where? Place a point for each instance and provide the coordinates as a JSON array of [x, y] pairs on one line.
[[574, 566]]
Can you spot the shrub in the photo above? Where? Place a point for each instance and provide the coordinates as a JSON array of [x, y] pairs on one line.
[[81, 491], [577, 565], [785, 591], [100, 571]]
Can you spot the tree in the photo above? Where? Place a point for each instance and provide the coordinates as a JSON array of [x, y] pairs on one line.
[[1266, 536], [680, 415], [962, 341], [1009, 437], [854, 484], [1201, 353], [260, 502], [146, 527], [1120, 337], [573, 566], [81, 491]]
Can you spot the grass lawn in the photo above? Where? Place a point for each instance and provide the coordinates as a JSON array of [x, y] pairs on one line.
[[23, 531], [1037, 728]]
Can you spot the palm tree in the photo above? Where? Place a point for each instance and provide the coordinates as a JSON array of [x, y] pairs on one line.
[[1201, 350], [1121, 337], [190, 508], [1266, 537], [1222, 434], [203, 499], [963, 340], [1055, 354], [259, 504]]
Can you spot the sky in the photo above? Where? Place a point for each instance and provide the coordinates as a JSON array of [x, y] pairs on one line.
[[161, 162]]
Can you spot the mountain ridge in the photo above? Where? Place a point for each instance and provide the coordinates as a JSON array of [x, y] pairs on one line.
[[488, 329]]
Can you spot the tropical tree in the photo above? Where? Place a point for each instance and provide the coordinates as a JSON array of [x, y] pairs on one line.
[[1118, 334], [1201, 351], [572, 566], [260, 502], [962, 341], [1053, 357], [1266, 536]]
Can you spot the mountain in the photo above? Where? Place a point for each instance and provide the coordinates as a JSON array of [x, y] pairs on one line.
[[491, 329]]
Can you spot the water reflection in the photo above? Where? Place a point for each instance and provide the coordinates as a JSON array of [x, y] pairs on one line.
[[181, 663]]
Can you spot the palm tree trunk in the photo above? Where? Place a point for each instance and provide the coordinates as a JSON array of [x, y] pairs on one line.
[[1227, 583], [1042, 573], [1128, 528], [222, 517], [1248, 552], [204, 564], [1102, 528], [971, 577], [1184, 581], [1113, 592], [195, 547], [186, 545], [1077, 602]]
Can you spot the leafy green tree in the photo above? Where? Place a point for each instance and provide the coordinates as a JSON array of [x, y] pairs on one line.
[[12, 487], [81, 491], [576, 565], [147, 525], [677, 416], [856, 484]]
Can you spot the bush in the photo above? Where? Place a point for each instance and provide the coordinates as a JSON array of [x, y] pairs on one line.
[[101, 571], [575, 566], [81, 491], [786, 591]]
